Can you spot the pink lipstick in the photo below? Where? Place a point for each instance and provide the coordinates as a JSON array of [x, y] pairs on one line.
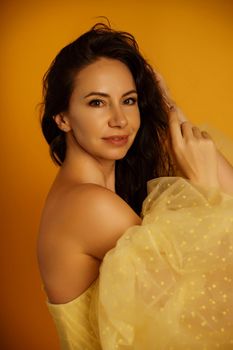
[[117, 140]]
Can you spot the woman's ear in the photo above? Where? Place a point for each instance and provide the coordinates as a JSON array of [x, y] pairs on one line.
[[62, 122]]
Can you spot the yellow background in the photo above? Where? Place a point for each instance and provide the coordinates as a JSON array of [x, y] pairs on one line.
[[189, 42]]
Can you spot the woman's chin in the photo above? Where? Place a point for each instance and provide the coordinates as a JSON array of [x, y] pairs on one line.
[[114, 157]]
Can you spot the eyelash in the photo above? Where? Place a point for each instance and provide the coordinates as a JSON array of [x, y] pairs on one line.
[[133, 99], [92, 103]]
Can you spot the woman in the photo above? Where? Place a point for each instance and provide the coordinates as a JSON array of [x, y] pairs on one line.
[[110, 128]]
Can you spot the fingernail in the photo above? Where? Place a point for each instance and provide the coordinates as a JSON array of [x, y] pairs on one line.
[[172, 108]]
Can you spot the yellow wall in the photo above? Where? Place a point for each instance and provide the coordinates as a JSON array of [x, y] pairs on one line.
[[190, 42]]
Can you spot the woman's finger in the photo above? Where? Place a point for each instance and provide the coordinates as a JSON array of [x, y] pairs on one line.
[[186, 130], [174, 127], [206, 135], [196, 132]]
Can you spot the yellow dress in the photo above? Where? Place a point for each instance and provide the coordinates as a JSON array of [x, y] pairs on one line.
[[168, 283], [74, 324]]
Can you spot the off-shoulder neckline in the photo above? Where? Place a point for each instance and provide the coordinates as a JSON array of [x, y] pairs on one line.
[[73, 301]]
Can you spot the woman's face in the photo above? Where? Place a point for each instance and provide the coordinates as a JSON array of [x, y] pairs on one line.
[[103, 105]]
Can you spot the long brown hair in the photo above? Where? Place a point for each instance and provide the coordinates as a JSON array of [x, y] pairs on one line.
[[147, 158]]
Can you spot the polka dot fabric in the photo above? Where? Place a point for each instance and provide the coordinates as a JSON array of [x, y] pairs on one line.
[[168, 284]]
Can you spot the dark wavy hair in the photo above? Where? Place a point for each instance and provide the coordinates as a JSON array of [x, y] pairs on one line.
[[147, 158]]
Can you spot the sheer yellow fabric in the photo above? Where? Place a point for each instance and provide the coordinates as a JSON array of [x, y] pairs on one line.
[[168, 284]]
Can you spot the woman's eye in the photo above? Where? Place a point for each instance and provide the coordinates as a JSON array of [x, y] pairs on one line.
[[95, 103], [130, 101]]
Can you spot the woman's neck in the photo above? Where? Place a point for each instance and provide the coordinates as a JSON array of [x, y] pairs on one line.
[[84, 168]]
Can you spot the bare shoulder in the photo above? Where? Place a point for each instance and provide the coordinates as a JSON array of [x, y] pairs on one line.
[[90, 216], [100, 217], [78, 227], [98, 199]]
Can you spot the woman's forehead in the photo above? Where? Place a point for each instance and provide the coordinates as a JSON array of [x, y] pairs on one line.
[[105, 74]]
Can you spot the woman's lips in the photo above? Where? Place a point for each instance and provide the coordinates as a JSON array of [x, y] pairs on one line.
[[117, 140]]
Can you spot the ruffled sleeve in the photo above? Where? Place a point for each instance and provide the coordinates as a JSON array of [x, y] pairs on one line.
[[168, 283]]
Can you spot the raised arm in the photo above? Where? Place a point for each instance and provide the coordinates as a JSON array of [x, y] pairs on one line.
[[224, 168]]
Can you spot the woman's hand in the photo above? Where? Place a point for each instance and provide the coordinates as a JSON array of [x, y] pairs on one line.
[[170, 102], [194, 152], [225, 169]]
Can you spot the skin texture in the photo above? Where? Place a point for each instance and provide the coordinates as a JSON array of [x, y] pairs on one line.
[[90, 119]]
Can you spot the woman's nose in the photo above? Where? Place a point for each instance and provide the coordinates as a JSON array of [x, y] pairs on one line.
[[117, 118]]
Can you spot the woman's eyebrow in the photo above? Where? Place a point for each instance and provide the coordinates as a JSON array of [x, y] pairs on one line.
[[103, 94]]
